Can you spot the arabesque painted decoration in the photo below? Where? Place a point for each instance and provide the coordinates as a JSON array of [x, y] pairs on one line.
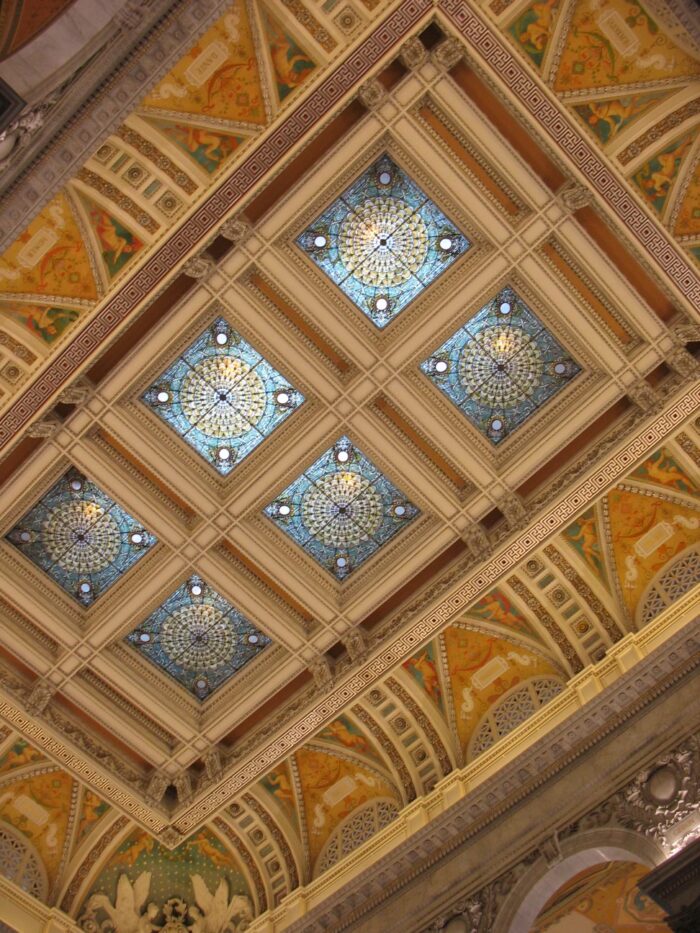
[[656, 177], [222, 397], [341, 510], [198, 886], [603, 897], [198, 638], [501, 366], [219, 78], [383, 241], [50, 259], [80, 537], [606, 118], [45, 321], [617, 43]]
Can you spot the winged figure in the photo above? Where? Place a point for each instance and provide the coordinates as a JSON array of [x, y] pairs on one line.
[[126, 914], [216, 914]]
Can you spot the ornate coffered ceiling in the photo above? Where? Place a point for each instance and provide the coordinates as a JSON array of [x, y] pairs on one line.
[[372, 540]]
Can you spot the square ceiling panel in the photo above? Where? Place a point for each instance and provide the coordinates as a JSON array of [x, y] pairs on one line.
[[222, 397], [81, 537], [198, 638], [383, 241], [501, 366], [342, 509]]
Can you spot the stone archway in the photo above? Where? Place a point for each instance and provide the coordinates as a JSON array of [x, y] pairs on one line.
[[584, 850]]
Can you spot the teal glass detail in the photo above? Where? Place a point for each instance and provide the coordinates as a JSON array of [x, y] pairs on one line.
[[198, 638], [501, 366], [342, 509], [222, 397], [80, 537], [383, 241]]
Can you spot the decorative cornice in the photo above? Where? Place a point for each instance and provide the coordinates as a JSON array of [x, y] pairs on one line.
[[261, 162], [300, 721], [473, 811]]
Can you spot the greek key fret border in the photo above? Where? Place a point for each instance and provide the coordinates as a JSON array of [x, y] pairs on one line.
[[575, 148], [258, 164], [429, 625]]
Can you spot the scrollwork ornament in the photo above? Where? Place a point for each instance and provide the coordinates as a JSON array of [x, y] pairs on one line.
[[236, 229], [322, 672], [372, 94], [645, 397], [574, 197], [448, 53], [413, 53], [199, 267], [683, 362]]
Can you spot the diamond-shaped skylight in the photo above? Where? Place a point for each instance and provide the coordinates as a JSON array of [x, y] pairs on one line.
[[342, 509], [500, 366], [198, 638], [81, 537], [383, 241], [222, 396]]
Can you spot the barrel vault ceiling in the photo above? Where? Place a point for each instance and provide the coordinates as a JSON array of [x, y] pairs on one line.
[[379, 469]]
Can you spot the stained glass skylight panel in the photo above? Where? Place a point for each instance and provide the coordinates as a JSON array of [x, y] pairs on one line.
[[383, 241], [222, 397], [342, 509], [80, 537], [501, 366], [198, 638]]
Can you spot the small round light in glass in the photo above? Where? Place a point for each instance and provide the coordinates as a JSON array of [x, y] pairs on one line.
[[505, 307], [282, 398], [384, 178], [163, 396], [343, 456], [223, 454], [445, 243], [284, 510], [441, 366], [341, 562], [137, 538], [144, 637], [560, 368], [320, 241], [381, 304], [400, 510], [196, 590], [222, 339], [76, 485], [25, 536], [496, 424], [85, 588]]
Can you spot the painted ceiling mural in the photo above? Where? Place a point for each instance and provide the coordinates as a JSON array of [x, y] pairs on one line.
[[507, 656], [241, 516], [604, 897], [135, 188], [633, 85]]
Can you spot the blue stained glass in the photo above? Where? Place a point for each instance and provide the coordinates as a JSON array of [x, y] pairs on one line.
[[80, 537], [342, 509], [198, 638], [222, 397], [501, 366], [383, 241]]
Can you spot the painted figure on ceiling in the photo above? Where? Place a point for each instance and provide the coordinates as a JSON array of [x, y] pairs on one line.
[[292, 65], [423, 668], [117, 244]]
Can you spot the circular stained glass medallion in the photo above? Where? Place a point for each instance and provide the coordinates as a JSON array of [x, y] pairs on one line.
[[383, 242], [501, 365], [223, 397], [81, 537], [198, 637], [342, 509]]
